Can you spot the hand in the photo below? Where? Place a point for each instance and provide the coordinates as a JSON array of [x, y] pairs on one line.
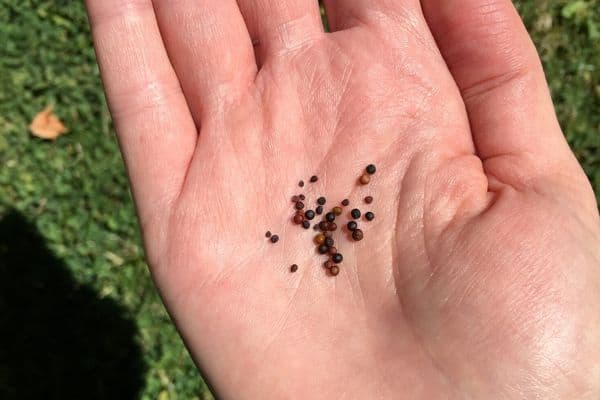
[[479, 277]]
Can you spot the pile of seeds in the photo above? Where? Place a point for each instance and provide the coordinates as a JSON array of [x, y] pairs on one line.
[[326, 224]]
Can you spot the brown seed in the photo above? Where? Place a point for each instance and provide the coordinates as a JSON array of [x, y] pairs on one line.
[[337, 210], [324, 225], [299, 205], [334, 270], [369, 199], [301, 183], [328, 264], [320, 239], [298, 218], [294, 268], [332, 250], [327, 234], [302, 197], [268, 234], [345, 202], [295, 199], [332, 226], [365, 179], [314, 178], [316, 227], [357, 235], [274, 239]]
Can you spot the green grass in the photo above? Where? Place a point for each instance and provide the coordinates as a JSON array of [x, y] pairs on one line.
[[74, 192]]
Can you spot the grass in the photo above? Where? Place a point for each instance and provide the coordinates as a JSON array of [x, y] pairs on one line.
[[67, 204]]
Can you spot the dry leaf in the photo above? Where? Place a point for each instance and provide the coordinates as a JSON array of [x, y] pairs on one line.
[[46, 125]]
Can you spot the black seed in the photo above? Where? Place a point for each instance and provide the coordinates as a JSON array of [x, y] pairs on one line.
[[314, 178], [319, 210], [323, 249], [306, 224], [301, 197], [370, 169], [369, 216], [294, 268], [321, 200], [299, 205], [268, 234], [309, 214], [369, 199], [329, 241], [337, 258], [352, 225], [301, 183], [355, 213], [274, 238], [330, 216], [345, 202]]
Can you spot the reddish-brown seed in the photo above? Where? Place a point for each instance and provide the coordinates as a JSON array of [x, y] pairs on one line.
[[337, 210], [365, 179], [328, 264], [334, 270], [357, 235], [301, 183], [294, 268], [332, 250], [327, 234], [332, 226], [302, 197], [314, 178], [268, 234], [345, 202], [320, 239], [295, 199], [324, 225], [369, 199], [298, 218]]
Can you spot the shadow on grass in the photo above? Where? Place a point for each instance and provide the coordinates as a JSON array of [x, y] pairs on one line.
[[58, 340]]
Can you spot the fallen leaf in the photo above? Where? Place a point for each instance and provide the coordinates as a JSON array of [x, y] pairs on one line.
[[46, 125]]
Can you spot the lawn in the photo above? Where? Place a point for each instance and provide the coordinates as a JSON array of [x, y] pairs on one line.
[[79, 317]]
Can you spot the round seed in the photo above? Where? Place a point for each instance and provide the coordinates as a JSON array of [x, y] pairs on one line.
[[301, 183], [337, 210], [305, 224], [274, 238], [329, 241], [365, 179], [332, 250], [298, 219], [321, 200], [294, 268], [323, 249], [268, 234], [352, 225], [369, 199], [357, 235], [299, 205], [370, 169], [314, 178], [316, 227], [330, 217], [369, 216], [334, 270], [337, 258], [345, 202], [323, 225], [327, 234], [320, 239], [328, 264], [295, 199], [332, 226], [319, 210], [355, 213], [309, 214]]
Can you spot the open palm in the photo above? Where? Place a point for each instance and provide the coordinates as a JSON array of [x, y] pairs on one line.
[[479, 277]]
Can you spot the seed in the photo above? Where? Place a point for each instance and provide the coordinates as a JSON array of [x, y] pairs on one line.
[[301, 183], [337, 258], [369, 216], [314, 178], [345, 202], [299, 205], [327, 234], [320, 239], [319, 210], [329, 241], [323, 225], [305, 224], [294, 268], [355, 213], [316, 227], [369, 199], [323, 249], [330, 217], [298, 219], [365, 179], [328, 264], [370, 169], [309, 214], [274, 238], [337, 210], [321, 200], [302, 197], [268, 234], [332, 250], [334, 270], [357, 235], [332, 226], [295, 199], [352, 225]]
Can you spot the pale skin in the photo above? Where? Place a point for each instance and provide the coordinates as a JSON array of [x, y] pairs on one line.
[[479, 277]]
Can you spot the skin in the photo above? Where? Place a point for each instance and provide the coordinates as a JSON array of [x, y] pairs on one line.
[[479, 277]]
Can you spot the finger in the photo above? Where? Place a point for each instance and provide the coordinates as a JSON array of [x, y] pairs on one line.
[[498, 71], [210, 49], [155, 130], [278, 26], [345, 14]]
